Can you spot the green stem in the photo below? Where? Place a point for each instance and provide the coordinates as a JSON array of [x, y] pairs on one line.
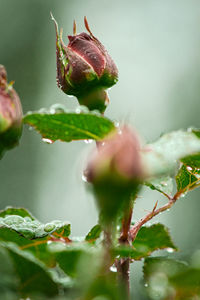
[[123, 265]]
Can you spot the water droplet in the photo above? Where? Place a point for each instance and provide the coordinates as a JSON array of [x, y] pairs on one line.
[[49, 242], [113, 269], [189, 168], [84, 178], [42, 110], [27, 219], [88, 141], [190, 129], [13, 220], [183, 195], [146, 284], [81, 109], [30, 128], [163, 183], [48, 141], [170, 250], [57, 108], [49, 227], [27, 233]]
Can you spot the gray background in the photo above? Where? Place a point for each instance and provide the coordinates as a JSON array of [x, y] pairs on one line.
[[156, 46]]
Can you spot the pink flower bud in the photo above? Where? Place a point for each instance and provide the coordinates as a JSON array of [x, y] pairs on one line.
[[119, 153], [84, 66], [115, 170], [10, 113]]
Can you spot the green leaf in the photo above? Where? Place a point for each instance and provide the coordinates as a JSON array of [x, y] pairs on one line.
[[187, 178], [165, 277], [31, 235], [149, 239], [94, 233], [34, 277], [196, 132], [192, 160], [68, 126], [187, 280], [69, 257], [31, 228], [163, 185], [161, 158], [8, 280], [168, 266], [16, 211]]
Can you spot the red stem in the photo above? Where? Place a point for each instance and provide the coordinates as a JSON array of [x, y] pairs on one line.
[[136, 227]]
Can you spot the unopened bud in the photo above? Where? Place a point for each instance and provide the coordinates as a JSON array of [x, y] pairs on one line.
[[10, 114], [84, 68], [115, 170]]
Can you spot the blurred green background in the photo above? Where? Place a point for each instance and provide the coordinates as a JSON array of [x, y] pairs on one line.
[[156, 46]]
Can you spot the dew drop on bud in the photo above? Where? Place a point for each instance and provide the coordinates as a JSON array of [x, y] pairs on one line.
[[48, 141], [84, 178]]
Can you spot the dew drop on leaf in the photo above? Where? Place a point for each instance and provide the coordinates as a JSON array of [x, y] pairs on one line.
[[49, 227], [170, 250], [189, 168], [48, 141], [88, 141]]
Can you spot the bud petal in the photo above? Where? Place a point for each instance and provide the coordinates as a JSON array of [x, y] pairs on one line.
[[84, 67], [115, 170], [10, 113]]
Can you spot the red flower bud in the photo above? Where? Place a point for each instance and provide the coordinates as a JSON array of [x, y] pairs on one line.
[[115, 170], [10, 113], [83, 67]]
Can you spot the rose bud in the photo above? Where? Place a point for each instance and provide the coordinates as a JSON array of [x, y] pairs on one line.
[[115, 170], [10, 114], [84, 68]]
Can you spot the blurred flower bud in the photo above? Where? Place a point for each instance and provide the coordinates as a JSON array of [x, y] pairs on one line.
[[115, 170], [10, 114], [84, 68]]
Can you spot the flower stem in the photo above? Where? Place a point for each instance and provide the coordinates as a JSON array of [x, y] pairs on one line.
[[136, 227], [123, 264]]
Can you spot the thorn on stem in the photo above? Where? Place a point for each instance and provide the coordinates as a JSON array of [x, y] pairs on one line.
[[155, 206]]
